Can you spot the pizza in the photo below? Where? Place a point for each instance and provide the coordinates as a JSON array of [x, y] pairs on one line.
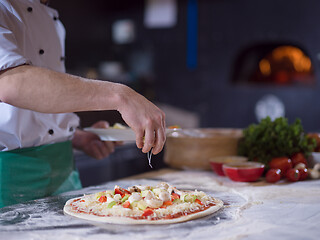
[[143, 204]]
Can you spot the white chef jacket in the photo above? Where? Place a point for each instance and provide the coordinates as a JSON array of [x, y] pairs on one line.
[[31, 33]]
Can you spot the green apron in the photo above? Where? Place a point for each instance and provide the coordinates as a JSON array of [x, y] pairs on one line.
[[37, 172]]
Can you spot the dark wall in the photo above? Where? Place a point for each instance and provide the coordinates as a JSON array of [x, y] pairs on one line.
[[88, 25], [225, 29], [237, 25]]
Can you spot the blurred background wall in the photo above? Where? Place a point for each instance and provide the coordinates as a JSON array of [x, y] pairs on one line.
[[218, 86], [224, 63]]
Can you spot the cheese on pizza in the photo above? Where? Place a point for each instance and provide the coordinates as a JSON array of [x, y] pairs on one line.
[[143, 204]]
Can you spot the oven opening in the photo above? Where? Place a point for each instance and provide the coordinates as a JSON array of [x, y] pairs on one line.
[[274, 64]]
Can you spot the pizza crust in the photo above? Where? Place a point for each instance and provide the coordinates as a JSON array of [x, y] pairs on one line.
[[131, 221]]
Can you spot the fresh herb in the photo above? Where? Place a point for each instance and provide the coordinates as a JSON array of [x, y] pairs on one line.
[[268, 139]]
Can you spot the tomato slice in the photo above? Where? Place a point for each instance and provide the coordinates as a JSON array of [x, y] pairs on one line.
[[118, 191], [167, 203], [121, 191], [102, 199], [147, 212], [198, 201], [126, 191], [126, 204], [175, 196]]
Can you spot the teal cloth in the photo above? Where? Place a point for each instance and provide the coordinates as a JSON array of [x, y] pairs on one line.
[[37, 172]]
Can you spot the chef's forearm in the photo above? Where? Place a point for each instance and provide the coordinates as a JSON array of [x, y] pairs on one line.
[[47, 91]]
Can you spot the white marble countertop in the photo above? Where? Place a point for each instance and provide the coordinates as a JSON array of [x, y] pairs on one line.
[[252, 211]]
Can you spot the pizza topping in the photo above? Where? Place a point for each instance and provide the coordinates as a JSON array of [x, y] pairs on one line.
[[171, 190], [147, 194], [135, 197], [125, 197], [121, 191], [117, 197], [102, 199], [126, 204], [147, 212], [157, 191], [154, 202], [165, 196], [159, 202], [111, 204], [167, 203], [142, 205], [174, 196], [134, 189], [176, 201], [188, 198], [163, 185], [99, 194], [145, 187]]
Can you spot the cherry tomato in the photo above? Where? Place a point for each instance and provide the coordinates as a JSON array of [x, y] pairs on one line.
[[298, 158], [273, 175], [293, 175], [303, 173], [282, 163], [315, 136]]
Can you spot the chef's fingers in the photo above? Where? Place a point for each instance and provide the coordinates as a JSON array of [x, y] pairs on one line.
[[139, 138], [102, 150], [160, 139], [160, 136], [149, 139], [108, 147], [95, 150], [118, 143], [101, 124], [164, 122]]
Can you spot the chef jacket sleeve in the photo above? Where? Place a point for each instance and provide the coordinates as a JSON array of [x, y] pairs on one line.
[[10, 52]]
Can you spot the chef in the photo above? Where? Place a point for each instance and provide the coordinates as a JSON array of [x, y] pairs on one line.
[[38, 128]]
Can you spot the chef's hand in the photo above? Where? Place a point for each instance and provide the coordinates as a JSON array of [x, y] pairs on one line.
[[91, 144], [146, 120]]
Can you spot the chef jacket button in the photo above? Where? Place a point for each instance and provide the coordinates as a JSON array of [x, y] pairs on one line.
[[62, 58], [55, 18], [51, 132], [29, 9], [41, 51], [71, 129]]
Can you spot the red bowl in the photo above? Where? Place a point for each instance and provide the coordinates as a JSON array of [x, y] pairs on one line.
[[217, 162], [244, 172], [217, 168]]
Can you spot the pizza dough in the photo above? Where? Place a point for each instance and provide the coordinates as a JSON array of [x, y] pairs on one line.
[[160, 204]]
